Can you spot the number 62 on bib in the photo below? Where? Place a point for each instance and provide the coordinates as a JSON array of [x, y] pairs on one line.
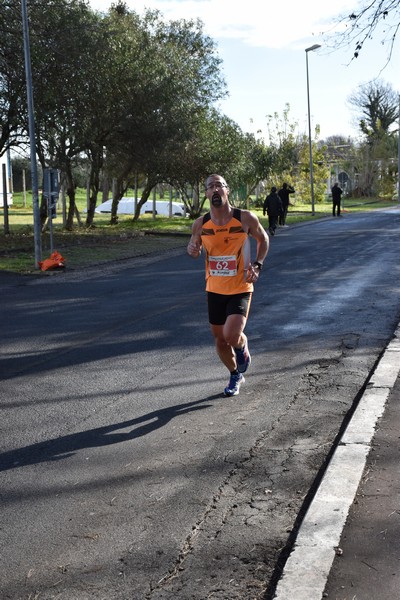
[[222, 266]]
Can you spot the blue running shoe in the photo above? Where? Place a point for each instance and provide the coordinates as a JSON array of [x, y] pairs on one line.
[[233, 387], [243, 358]]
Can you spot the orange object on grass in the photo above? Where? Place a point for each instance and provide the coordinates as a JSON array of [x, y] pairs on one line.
[[56, 261]]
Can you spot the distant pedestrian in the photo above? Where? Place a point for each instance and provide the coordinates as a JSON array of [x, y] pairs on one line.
[[336, 199], [273, 207], [284, 196]]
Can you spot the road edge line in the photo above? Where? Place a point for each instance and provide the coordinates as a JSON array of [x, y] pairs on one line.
[[307, 568]]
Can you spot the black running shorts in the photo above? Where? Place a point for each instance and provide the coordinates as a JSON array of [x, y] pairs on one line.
[[220, 306]]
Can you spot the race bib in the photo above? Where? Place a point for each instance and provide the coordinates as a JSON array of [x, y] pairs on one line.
[[222, 266]]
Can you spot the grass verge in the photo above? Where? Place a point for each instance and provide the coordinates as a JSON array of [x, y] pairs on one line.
[[107, 243]]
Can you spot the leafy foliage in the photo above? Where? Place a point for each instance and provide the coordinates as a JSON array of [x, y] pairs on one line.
[[320, 172], [378, 108], [12, 74]]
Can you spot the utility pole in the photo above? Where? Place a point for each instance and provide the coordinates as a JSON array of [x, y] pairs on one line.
[[32, 138], [310, 49]]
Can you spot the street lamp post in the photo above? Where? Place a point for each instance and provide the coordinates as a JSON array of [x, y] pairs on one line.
[[310, 49], [29, 93]]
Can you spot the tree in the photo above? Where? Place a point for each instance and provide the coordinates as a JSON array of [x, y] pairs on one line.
[[60, 55], [377, 106], [12, 74], [117, 82], [161, 114], [215, 145], [257, 163], [284, 143], [320, 170], [64, 49]]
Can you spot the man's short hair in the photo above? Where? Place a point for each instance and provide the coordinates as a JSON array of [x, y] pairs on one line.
[[215, 175]]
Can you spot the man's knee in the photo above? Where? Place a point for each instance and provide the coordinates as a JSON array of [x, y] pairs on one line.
[[235, 338]]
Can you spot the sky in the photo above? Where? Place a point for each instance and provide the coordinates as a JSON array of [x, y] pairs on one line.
[[262, 46]]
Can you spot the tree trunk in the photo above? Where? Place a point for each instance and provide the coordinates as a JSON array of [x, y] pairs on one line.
[[71, 195], [145, 196], [96, 163]]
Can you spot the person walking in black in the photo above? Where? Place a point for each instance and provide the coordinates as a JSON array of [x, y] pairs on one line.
[[336, 199], [273, 207], [284, 196]]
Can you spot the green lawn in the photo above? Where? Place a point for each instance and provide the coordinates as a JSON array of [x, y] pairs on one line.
[[108, 242]]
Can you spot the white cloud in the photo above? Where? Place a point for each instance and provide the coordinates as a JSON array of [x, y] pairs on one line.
[[255, 22]]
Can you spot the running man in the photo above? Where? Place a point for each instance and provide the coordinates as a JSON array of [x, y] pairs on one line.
[[230, 275]]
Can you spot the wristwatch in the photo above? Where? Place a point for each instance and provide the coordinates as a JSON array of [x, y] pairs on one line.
[[258, 264]]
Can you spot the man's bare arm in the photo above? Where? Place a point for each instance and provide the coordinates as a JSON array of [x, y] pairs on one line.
[[194, 246]]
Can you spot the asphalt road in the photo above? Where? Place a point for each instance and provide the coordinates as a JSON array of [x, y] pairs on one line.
[[124, 472]]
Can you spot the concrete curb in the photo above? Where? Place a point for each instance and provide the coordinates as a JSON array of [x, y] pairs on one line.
[[307, 569]]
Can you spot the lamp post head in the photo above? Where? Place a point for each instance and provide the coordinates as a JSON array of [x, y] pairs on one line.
[[315, 47]]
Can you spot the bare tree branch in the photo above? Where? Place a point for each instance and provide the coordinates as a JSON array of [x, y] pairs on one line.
[[372, 19]]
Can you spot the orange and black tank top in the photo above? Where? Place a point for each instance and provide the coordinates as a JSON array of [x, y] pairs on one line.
[[227, 254]]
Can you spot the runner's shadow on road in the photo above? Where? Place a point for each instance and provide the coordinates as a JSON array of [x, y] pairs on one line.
[[66, 446]]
